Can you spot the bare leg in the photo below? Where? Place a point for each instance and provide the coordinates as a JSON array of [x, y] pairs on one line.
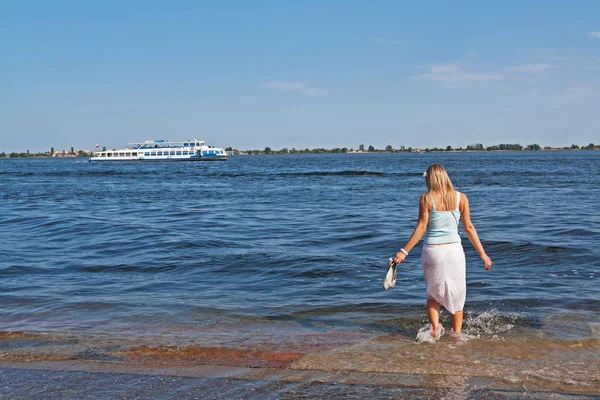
[[457, 320], [433, 312]]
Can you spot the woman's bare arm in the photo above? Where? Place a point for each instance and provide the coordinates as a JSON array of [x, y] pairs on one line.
[[418, 232], [470, 230]]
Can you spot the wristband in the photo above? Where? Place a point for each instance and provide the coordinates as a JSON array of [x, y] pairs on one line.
[[404, 252]]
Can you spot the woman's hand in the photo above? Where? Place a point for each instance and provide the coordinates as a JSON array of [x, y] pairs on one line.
[[487, 261], [400, 256]]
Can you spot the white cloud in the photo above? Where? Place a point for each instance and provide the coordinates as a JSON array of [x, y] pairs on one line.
[[582, 91], [294, 86], [375, 39], [547, 54], [574, 92], [312, 92], [529, 68], [453, 73], [533, 50], [595, 35], [287, 86], [445, 69]]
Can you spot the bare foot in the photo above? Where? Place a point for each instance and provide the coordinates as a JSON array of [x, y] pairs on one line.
[[434, 331]]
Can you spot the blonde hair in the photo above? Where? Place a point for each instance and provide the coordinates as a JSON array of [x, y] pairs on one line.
[[438, 183]]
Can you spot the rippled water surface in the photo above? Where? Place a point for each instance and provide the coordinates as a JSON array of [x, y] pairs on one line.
[[92, 245], [291, 244]]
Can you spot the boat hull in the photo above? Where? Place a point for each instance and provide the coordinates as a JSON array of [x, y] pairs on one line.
[[132, 159]]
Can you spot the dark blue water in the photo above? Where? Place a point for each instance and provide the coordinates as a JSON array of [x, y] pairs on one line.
[[303, 238]]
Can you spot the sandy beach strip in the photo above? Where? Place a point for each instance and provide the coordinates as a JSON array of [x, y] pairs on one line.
[[34, 365]]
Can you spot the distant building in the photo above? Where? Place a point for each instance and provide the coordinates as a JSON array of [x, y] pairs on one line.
[[68, 153]]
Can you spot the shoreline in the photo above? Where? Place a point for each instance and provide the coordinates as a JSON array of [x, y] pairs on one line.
[[529, 364], [108, 380], [250, 153]]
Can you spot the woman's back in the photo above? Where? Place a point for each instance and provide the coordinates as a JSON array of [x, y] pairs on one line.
[[443, 222]]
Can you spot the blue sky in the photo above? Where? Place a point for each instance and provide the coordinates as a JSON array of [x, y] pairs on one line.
[[299, 73]]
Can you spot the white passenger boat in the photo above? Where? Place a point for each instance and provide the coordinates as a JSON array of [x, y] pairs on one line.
[[163, 150]]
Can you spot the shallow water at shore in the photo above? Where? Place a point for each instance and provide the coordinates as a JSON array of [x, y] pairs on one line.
[[277, 262], [507, 352]]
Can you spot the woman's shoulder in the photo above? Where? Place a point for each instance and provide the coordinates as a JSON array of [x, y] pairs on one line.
[[464, 200]]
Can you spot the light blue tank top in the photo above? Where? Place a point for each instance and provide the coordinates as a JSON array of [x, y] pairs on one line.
[[443, 225]]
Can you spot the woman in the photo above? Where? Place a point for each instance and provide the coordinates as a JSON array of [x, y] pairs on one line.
[[443, 257]]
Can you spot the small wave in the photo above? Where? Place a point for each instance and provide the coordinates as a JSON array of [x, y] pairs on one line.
[[18, 270], [16, 173], [61, 174], [332, 173], [531, 248], [308, 173], [125, 268], [531, 173], [577, 232], [318, 273]]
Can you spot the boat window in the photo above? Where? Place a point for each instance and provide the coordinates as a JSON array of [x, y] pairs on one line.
[[159, 153], [153, 153], [147, 153], [134, 154], [172, 152], [127, 154], [179, 153], [186, 144], [185, 153]]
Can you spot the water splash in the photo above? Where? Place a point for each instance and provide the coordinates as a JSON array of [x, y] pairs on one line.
[[487, 323], [425, 334]]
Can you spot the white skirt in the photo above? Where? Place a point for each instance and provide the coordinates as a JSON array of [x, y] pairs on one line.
[[444, 267]]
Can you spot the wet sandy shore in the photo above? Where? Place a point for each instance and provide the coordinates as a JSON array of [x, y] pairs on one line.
[[77, 380], [349, 365]]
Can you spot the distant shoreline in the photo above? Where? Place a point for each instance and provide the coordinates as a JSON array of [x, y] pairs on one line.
[[268, 151], [408, 152]]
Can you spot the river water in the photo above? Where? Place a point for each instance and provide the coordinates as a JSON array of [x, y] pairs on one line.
[[286, 253]]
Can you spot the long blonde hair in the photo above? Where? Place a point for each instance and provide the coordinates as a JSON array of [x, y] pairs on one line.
[[438, 183]]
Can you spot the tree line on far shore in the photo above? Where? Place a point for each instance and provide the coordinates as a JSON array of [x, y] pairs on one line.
[[51, 153], [391, 149], [361, 149]]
